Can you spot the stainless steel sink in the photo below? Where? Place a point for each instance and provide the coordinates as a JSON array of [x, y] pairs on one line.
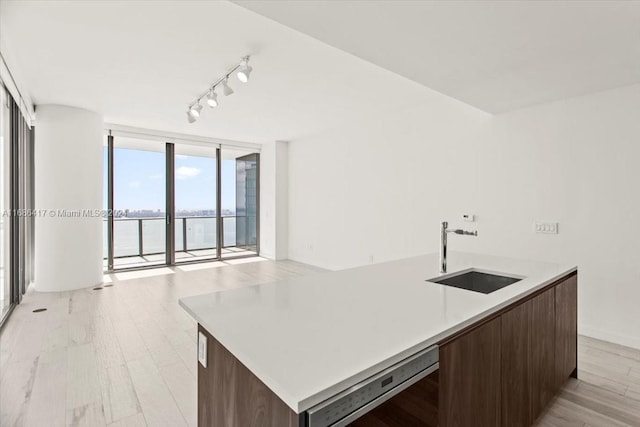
[[477, 280]]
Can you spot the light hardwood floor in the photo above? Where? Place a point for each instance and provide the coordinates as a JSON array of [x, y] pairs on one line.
[[125, 355]]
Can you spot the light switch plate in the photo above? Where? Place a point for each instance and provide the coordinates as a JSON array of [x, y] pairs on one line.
[[202, 349], [546, 227]]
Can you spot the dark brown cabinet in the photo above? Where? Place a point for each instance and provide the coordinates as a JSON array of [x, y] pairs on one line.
[[528, 373], [542, 357], [516, 371], [566, 330], [230, 395], [470, 378], [506, 370]]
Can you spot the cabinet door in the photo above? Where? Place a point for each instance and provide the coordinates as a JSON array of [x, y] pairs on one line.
[[516, 366], [470, 378], [566, 329], [542, 355]]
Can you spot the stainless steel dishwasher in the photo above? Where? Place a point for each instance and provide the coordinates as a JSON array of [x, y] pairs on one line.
[[353, 403]]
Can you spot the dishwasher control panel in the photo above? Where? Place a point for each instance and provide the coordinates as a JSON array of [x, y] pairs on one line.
[[337, 408]]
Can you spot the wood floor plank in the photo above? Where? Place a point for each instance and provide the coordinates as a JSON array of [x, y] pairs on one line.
[[16, 389], [183, 386], [28, 349], [89, 415], [574, 414], [609, 405], [119, 398], [612, 348], [81, 327], [106, 343], [156, 401], [83, 384], [603, 381], [57, 336], [47, 405], [134, 421], [10, 336], [130, 340]]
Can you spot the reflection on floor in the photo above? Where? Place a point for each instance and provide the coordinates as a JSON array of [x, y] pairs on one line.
[[126, 354]]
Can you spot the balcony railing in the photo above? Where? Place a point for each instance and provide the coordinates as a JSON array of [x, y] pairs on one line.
[[146, 236]]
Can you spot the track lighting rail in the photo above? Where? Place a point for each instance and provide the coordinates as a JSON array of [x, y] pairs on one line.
[[243, 70]]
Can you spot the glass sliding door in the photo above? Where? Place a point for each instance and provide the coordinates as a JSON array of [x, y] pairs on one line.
[[195, 189], [138, 203], [240, 202], [16, 203], [5, 203]]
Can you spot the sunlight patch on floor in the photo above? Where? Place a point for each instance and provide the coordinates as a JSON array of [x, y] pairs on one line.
[[245, 260], [201, 266], [128, 275]]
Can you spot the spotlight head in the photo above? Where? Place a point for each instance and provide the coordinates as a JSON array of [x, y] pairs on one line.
[[243, 73], [212, 99], [194, 110], [225, 88], [190, 118]]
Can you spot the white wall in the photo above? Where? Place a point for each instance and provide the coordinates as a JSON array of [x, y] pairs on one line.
[[379, 188], [575, 162], [68, 176], [274, 200]]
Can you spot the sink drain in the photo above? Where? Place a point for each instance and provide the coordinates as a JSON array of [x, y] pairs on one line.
[[39, 310], [97, 289]]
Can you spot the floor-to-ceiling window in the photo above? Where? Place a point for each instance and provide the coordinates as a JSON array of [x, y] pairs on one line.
[[240, 202], [16, 203], [138, 209], [5, 203], [173, 203], [195, 188]]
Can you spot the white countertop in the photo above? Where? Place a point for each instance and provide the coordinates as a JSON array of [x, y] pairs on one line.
[[311, 337]]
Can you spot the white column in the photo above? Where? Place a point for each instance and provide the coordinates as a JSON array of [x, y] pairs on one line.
[[274, 200], [68, 179]]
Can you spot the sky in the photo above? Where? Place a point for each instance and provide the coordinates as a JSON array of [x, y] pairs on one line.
[[139, 181]]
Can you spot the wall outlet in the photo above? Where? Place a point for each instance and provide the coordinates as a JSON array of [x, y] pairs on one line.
[[468, 217], [546, 227], [202, 349]]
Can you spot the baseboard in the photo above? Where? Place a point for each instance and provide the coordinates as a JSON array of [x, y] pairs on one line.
[[267, 255], [625, 340]]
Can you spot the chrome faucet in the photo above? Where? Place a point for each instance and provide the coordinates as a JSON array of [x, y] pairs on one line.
[[443, 242]]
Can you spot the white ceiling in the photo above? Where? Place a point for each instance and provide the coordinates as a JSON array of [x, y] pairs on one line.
[[140, 63], [494, 55]]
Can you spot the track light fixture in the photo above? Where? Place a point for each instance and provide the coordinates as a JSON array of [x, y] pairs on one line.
[[195, 109], [212, 98], [243, 70], [225, 88]]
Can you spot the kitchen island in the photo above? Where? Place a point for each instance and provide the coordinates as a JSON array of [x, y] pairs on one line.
[[278, 349]]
